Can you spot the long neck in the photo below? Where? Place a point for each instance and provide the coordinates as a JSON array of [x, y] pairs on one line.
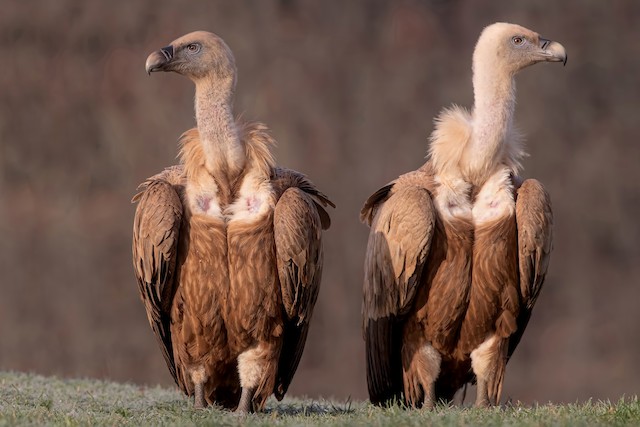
[[494, 103], [223, 148]]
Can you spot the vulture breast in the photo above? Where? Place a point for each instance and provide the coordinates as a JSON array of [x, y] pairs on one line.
[[229, 296], [473, 288]]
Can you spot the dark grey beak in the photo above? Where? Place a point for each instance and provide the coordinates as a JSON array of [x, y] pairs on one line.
[[159, 60], [553, 51]]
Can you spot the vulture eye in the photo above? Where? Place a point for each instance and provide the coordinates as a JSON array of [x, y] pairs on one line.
[[517, 40], [193, 48]]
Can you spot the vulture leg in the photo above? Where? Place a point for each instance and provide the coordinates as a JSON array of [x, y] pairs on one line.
[[429, 400], [482, 396], [246, 400], [421, 369], [431, 361], [488, 362], [257, 369], [198, 377], [430, 396], [198, 401]]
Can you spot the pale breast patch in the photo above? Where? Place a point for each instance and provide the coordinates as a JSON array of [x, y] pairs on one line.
[[255, 199], [495, 199], [452, 198]]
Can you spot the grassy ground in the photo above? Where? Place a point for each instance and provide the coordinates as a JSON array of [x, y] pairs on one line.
[[36, 400]]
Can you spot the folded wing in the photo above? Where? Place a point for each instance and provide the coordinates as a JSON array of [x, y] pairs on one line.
[[156, 229], [402, 224], [299, 219], [534, 221]]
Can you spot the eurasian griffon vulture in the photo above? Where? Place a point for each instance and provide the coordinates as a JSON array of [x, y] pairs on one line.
[[458, 249], [227, 247]]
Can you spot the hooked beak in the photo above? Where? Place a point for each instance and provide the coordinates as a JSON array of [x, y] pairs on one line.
[[159, 60], [552, 51]]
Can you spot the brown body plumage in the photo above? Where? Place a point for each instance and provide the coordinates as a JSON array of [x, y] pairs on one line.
[[226, 246], [458, 249]]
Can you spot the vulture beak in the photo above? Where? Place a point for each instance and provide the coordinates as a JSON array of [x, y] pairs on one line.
[[552, 51], [159, 60]]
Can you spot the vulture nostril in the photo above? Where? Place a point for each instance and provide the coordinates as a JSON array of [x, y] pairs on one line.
[[167, 52]]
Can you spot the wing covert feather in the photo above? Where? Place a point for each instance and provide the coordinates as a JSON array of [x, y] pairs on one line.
[[155, 238], [283, 178], [371, 205]]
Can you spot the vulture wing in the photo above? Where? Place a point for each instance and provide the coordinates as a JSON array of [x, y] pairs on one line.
[[534, 220], [399, 241], [155, 240], [299, 219]]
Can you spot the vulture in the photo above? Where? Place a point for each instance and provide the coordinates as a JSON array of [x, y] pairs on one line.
[[458, 249], [227, 247]]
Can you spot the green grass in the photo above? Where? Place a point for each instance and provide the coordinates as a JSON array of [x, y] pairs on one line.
[[35, 400]]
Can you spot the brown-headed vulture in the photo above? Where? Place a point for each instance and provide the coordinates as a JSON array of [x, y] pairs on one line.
[[227, 247]]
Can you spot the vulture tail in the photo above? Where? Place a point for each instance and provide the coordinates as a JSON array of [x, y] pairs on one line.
[[290, 357], [383, 338]]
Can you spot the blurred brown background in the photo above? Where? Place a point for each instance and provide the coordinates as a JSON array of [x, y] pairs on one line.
[[349, 90]]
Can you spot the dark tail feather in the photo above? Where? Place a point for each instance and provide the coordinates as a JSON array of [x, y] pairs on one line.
[[289, 357], [384, 363]]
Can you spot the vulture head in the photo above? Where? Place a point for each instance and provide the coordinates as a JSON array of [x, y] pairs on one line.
[[512, 48], [199, 55]]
